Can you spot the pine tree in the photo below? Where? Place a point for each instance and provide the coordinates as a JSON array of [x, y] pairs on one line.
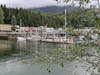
[[13, 22], [1, 16]]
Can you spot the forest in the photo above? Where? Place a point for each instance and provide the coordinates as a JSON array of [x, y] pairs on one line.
[[78, 18]]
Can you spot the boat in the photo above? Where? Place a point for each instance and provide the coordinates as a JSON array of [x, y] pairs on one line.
[[33, 36], [56, 36], [20, 37], [53, 37]]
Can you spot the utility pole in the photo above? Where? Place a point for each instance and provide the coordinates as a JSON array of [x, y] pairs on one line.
[[65, 19]]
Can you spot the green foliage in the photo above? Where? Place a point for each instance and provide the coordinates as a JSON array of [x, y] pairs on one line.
[[81, 2], [78, 19], [13, 20], [72, 52], [1, 16], [99, 69]]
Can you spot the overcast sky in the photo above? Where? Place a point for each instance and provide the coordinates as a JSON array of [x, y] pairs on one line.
[[32, 3], [29, 3]]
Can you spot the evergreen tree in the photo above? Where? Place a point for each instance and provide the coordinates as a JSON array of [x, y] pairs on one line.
[[1, 16], [13, 22]]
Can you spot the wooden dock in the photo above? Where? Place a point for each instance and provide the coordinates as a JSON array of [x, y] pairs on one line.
[[8, 35]]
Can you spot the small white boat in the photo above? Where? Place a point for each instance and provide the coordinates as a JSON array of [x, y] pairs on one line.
[[54, 39], [21, 38], [33, 38]]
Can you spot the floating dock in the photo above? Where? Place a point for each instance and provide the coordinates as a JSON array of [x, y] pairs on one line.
[[8, 35]]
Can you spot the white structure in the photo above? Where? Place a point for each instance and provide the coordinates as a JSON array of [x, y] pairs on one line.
[[20, 37], [33, 34]]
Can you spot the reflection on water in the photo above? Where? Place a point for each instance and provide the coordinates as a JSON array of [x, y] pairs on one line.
[[7, 48], [39, 46], [28, 47], [4, 45], [24, 63]]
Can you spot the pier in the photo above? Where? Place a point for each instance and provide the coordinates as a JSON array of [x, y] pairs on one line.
[[9, 35]]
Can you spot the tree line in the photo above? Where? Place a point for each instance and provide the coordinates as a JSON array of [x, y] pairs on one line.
[[78, 18], [28, 17]]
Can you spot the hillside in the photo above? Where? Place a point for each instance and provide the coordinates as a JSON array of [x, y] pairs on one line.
[[55, 9]]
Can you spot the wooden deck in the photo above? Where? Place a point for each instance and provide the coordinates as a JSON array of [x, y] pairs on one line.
[[8, 35]]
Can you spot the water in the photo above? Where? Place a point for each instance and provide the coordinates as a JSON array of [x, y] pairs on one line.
[[21, 59]]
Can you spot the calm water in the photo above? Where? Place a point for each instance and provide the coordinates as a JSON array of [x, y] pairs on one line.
[[20, 59]]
